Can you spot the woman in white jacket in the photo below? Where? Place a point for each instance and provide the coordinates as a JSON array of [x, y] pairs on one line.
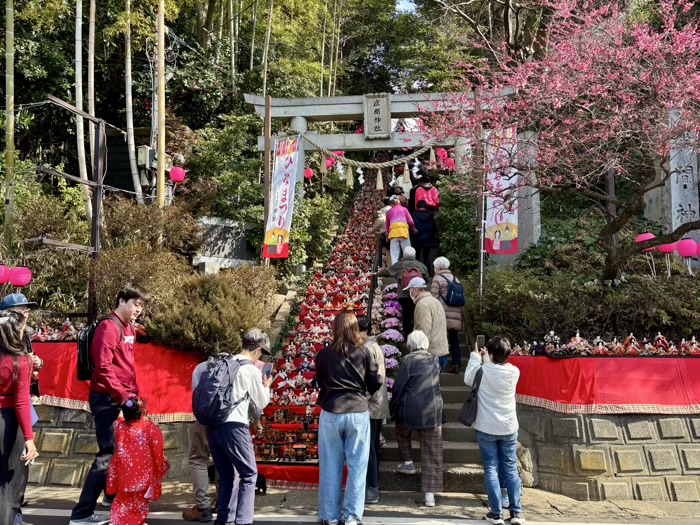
[[497, 426]]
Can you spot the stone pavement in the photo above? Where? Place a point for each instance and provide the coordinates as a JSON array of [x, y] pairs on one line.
[[539, 506]]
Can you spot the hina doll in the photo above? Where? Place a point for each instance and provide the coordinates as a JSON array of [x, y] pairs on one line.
[[137, 468]]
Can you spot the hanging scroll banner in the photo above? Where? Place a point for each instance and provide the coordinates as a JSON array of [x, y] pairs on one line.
[[279, 221], [501, 193]]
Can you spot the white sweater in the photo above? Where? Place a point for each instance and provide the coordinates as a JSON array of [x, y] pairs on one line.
[[496, 410]]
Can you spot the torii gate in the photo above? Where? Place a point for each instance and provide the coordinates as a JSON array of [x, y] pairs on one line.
[[376, 111]]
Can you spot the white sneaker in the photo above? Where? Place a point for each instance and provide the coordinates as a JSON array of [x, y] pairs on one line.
[[409, 469], [352, 521], [429, 499], [95, 519]]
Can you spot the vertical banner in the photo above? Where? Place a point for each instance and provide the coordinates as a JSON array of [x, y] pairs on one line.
[[501, 192], [284, 175]]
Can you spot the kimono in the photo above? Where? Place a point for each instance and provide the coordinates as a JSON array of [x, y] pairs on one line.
[[136, 471]]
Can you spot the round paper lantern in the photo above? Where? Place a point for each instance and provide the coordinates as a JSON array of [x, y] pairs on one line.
[[667, 248], [450, 163], [308, 173], [441, 153], [20, 276], [177, 174], [686, 247], [645, 237], [4, 274], [697, 252]]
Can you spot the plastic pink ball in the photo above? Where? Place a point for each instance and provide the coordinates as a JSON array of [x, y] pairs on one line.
[[308, 173], [645, 237], [177, 174], [667, 248], [686, 247], [20, 276], [4, 274]]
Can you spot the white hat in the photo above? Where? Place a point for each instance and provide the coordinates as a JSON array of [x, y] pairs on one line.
[[416, 282]]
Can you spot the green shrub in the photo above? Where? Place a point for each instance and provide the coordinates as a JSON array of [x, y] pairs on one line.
[[208, 314], [457, 225]]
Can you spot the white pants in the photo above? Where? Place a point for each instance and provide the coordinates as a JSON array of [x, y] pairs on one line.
[[397, 246]]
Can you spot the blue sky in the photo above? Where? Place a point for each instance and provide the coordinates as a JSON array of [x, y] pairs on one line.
[[406, 5]]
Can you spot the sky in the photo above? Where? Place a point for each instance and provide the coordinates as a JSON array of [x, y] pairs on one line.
[[406, 5]]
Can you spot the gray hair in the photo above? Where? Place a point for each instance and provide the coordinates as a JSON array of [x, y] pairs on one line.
[[409, 252], [441, 263], [417, 340]]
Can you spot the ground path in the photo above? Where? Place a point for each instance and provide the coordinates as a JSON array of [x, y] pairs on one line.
[[51, 506]]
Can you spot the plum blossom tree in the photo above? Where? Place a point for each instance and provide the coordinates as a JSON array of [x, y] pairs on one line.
[[610, 96]]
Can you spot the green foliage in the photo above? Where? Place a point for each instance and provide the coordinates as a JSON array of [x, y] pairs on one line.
[[208, 314], [459, 239]]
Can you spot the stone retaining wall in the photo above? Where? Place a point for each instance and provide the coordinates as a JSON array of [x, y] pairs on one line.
[[67, 447], [652, 458]]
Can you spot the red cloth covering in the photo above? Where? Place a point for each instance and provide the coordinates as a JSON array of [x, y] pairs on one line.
[[164, 377], [293, 473], [609, 385]]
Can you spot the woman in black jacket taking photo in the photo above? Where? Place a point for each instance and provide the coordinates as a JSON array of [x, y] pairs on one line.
[[416, 404], [347, 375]]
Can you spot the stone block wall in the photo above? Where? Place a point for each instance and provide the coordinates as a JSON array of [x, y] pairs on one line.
[[592, 457], [67, 447]]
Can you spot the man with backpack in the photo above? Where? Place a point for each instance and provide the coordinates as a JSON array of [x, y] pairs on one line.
[[429, 318], [222, 390], [112, 384], [447, 289], [403, 271]]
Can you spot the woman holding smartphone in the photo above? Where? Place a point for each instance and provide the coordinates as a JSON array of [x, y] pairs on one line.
[[17, 449]]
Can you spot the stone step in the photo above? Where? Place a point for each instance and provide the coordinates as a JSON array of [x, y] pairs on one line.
[[452, 452], [452, 411], [453, 380], [457, 477], [451, 431], [454, 394]]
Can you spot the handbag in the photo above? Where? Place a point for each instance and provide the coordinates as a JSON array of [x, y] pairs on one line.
[[467, 415]]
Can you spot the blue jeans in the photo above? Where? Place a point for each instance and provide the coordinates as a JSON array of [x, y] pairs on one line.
[[499, 454], [343, 438], [443, 362]]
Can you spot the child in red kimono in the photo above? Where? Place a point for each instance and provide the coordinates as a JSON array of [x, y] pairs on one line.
[[136, 471]]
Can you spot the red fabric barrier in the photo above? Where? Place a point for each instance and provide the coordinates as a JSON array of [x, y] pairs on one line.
[[609, 385], [164, 377]]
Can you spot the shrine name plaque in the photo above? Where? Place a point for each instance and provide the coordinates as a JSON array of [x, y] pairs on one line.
[[377, 116]]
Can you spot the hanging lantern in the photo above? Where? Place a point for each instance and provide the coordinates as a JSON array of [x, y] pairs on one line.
[[308, 173], [330, 161], [406, 175], [441, 153], [4, 274], [687, 249], [667, 250], [20, 276], [380, 179], [177, 174], [647, 251]]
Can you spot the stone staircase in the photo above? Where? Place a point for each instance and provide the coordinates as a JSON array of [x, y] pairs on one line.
[[461, 459]]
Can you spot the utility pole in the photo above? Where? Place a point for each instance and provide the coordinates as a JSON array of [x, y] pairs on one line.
[[161, 105], [9, 120]]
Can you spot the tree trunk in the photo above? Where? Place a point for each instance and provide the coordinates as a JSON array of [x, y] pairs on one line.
[[91, 76], [131, 145], [252, 38], [266, 47], [219, 31], [80, 130], [337, 48], [9, 122], [323, 45], [209, 24], [232, 42], [333, 29]]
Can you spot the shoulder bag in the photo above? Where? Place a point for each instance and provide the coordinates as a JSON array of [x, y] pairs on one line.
[[467, 415]]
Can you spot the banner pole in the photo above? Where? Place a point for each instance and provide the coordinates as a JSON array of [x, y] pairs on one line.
[[268, 160], [479, 163]]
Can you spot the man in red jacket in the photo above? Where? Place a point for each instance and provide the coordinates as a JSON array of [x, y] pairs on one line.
[[113, 383]]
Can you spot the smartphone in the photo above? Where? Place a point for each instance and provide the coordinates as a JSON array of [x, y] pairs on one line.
[[25, 452], [267, 369], [480, 341]]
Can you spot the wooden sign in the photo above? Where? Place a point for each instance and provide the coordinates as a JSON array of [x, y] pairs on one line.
[[377, 116]]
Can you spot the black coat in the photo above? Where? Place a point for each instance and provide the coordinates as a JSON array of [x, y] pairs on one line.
[[427, 236], [416, 400]]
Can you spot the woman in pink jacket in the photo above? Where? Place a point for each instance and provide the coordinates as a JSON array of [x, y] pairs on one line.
[[399, 224]]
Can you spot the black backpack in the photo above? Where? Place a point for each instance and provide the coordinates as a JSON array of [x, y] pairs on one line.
[[85, 337], [212, 398], [455, 293]]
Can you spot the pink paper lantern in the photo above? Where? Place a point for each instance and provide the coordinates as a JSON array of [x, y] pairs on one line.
[[20, 276], [667, 248], [645, 237], [686, 247], [308, 173], [4, 274], [450, 164], [441, 153], [330, 161], [177, 174], [697, 252]]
